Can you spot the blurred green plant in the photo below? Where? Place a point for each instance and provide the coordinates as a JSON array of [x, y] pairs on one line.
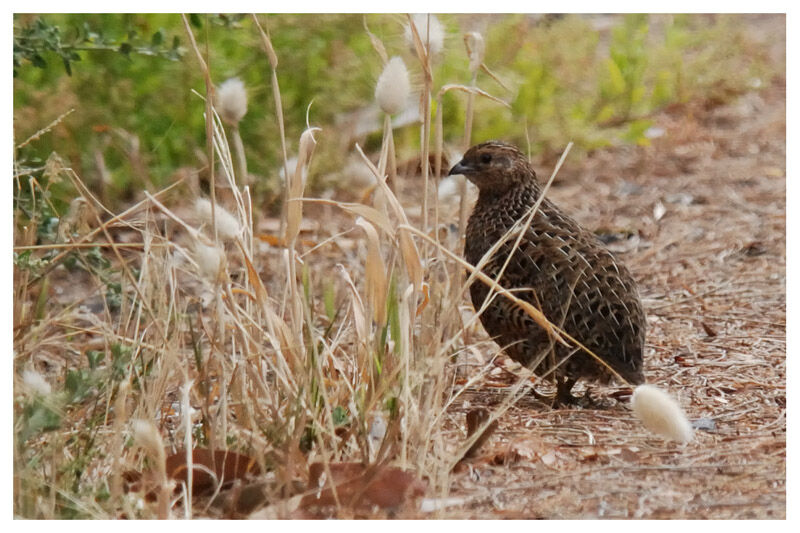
[[593, 80], [602, 91], [36, 40], [39, 414]]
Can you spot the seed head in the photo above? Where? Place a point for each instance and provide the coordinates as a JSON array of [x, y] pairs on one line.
[[433, 39], [232, 100], [35, 383], [210, 259], [661, 414], [393, 87], [228, 226], [146, 436]]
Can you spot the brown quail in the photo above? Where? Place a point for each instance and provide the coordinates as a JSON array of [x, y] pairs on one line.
[[559, 267]]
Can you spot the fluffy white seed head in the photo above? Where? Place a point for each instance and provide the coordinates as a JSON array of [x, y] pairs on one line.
[[147, 437], [35, 383], [449, 187], [228, 227], [210, 259], [661, 414], [434, 39], [232, 100], [393, 87]]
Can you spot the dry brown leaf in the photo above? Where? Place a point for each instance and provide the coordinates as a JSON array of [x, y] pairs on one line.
[[357, 486], [272, 240], [375, 271], [226, 467], [208, 470], [296, 184]]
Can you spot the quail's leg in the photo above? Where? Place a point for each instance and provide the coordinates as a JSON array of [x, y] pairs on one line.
[[563, 392], [564, 396]]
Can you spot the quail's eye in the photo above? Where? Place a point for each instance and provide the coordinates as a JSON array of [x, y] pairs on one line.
[[486, 158]]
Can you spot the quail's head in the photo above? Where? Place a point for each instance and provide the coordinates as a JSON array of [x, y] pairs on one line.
[[494, 167]]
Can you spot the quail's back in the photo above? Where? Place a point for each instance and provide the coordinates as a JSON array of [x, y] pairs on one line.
[[558, 267]]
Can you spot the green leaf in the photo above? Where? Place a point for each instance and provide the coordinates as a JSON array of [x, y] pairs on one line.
[[95, 357], [157, 39], [38, 61], [40, 418], [339, 416], [77, 385], [616, 77], [635, 133]]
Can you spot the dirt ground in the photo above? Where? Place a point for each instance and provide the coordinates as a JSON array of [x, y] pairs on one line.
[[699, 216]]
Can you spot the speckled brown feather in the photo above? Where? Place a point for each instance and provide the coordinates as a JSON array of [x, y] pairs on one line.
[[559, 267]]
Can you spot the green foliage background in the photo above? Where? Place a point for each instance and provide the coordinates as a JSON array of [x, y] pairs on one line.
[[565, 79]]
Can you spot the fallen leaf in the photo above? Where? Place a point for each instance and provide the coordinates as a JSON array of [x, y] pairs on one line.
[[357, 486], [226, 466]]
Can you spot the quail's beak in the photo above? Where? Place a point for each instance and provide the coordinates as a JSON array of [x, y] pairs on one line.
[[460, 168]]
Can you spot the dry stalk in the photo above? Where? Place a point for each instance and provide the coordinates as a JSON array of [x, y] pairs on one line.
[[276, 95], [425, 110], [209, 126]]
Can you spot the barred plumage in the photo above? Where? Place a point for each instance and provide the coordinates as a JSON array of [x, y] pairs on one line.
[[559, 267]]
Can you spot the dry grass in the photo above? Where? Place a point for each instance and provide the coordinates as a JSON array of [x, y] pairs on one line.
[[337, 333]]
